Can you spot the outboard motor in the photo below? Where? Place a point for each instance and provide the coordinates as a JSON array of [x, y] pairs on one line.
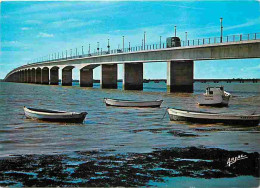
[[173, 42]]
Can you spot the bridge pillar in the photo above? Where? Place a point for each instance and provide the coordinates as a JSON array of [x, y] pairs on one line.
[[133, 76], [33, 77], [17, 76], [45, 76], [26, 76], [54, 76], [12, 77], [22, 76], [29, 76], [38, 76], [86, 77], [67, 76], [108, 76], [9, 78], [180, 76]]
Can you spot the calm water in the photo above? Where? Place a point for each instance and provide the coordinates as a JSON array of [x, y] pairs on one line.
[[118, 129]]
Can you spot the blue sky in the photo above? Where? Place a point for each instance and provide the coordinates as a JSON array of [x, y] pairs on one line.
[[34, 29]]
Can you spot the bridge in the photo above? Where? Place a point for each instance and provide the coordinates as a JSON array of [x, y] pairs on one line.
[[180, 63]]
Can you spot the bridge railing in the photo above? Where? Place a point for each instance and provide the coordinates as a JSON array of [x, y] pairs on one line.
[[224, 39], [146, 47]]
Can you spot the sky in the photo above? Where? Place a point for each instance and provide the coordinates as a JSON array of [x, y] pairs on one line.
[[31, 29]]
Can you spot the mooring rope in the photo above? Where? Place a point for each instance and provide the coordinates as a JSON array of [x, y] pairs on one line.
[[165, 113]]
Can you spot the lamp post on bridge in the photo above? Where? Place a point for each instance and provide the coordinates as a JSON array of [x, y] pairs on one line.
[[123, 43], [160, 41], [144, 40], [97, 47], [186, 38], [108, 46], [221, 30], [175, 31], [89, 49]]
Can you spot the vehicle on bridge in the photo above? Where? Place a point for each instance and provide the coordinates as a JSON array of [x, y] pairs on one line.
[[173, 42]]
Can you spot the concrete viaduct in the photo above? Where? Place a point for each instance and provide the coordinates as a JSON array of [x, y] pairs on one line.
[[180, 66]]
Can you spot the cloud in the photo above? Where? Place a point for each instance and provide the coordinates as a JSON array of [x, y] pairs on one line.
[[45, 35], [72, 23], [246, 24], [25, 28], [5, 16], [255, 68], [187, 7], [33, 22], [13, 43]]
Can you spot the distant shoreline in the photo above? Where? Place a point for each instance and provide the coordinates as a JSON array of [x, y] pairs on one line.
[[239, 80]]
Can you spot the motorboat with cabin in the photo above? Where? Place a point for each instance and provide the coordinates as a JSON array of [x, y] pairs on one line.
[[214, 96]]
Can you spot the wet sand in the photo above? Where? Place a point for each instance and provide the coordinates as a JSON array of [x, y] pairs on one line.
[[105, 168]]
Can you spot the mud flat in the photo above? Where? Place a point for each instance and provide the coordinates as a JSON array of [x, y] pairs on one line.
[[105, 168]]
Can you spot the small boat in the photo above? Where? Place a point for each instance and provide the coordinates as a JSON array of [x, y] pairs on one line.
[[131, 103], [53, 115], [214, 96], [208, 117]]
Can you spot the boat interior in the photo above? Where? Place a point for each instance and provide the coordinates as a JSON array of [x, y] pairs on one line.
[[48, 111], [214, 90], [131, 100]]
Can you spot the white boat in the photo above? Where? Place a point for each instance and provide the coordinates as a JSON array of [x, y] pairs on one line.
[[130, 103], [207, 117], [53, 115], [214, 96]]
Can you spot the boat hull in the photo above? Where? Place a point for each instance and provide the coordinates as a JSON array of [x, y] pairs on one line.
[[138, 104], [199, 117], [70, 117], [215, 100]]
